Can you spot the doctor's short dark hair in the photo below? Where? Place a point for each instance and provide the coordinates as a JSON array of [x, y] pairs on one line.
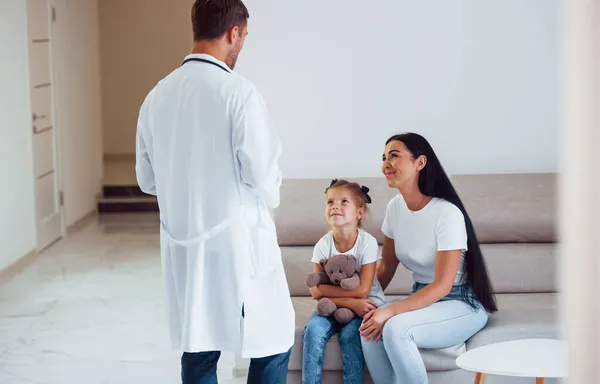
[[213, 18]]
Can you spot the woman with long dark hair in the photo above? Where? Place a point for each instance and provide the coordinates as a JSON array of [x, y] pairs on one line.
[[428, 230]]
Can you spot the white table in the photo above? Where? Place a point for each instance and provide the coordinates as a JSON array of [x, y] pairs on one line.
[[539, 358]]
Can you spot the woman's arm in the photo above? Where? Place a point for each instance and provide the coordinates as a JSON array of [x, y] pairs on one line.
[[367, 275], [388, 264], [446, 268], [451, 237]]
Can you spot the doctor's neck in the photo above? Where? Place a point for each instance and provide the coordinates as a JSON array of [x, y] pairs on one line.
[[215, 48]]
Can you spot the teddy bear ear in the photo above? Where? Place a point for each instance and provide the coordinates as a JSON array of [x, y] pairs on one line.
[[351, 265], [323, 262]]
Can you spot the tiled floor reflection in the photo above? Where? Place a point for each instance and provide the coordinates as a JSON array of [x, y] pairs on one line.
[[90, 311]]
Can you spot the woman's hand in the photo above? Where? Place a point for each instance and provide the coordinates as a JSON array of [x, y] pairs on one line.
[[315, 293], [363, 307], [372, 327]]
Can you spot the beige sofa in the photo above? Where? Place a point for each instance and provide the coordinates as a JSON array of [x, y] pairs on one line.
[[515, 219]]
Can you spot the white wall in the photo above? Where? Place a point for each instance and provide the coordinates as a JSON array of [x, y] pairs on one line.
[[17, 228], [78, 104], [478, 79]]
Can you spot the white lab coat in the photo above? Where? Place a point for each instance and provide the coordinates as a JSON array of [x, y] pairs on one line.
[[206, 148]]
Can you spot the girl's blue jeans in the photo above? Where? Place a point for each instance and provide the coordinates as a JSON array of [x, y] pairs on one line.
[[317, 332]]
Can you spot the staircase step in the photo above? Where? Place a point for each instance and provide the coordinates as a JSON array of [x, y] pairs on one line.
[[122, 191], [127, 204]]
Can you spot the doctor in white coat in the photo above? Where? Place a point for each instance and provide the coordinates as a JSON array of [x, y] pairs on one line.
[[206, 148]]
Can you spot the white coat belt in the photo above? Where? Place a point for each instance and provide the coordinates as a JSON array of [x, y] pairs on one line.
[[204, 236], [208, 234]]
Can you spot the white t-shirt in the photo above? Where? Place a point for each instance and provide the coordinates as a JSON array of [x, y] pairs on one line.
[[418, 236], [366, 251]]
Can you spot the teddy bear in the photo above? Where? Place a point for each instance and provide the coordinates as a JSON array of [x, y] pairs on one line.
[[338, 270]]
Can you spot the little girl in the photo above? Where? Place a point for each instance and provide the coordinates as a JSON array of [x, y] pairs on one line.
[[346, 205]]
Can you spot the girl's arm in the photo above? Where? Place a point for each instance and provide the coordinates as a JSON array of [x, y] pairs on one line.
[[344, 302], [358, 306], [389, 263], [367, 275]]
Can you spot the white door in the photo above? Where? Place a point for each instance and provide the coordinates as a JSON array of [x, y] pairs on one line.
[[48, 200]]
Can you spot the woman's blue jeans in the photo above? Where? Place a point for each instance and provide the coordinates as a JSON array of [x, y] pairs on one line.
[[396, 357]]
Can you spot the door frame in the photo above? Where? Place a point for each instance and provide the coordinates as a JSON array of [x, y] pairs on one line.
[[59, 195], [55, 119]]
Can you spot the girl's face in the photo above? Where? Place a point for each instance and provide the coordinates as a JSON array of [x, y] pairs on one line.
[[399, 166], [341, 208]]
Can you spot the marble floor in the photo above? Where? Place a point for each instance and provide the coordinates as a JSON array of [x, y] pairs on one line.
[[90, 310]]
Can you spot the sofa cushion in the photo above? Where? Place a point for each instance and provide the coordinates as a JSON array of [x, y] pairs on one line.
[[510, 207], [513, 268], [519, 316], [503, 208], [522, 268]]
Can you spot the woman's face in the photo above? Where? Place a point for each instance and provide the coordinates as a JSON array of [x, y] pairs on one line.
[[399, 167]]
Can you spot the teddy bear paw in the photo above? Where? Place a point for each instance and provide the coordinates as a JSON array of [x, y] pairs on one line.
[[343, 315], [326, 307]]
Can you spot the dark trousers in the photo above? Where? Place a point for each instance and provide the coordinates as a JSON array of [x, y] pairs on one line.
[[201, 368]]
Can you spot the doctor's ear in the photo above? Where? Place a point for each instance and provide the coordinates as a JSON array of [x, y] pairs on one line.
[[233, 34]]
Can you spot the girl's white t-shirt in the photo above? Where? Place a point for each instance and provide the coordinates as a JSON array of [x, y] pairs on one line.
[[418, 236], [366, 251]]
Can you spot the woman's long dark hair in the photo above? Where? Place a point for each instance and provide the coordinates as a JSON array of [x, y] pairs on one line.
[[433, 181]]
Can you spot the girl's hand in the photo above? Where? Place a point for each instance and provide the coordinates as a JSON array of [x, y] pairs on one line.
[[372, 327], [315, 293], [363, 307]]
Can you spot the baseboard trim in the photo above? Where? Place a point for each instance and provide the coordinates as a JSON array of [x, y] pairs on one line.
[[17, 267], [108, 157], [241, 367], [83, 222]]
